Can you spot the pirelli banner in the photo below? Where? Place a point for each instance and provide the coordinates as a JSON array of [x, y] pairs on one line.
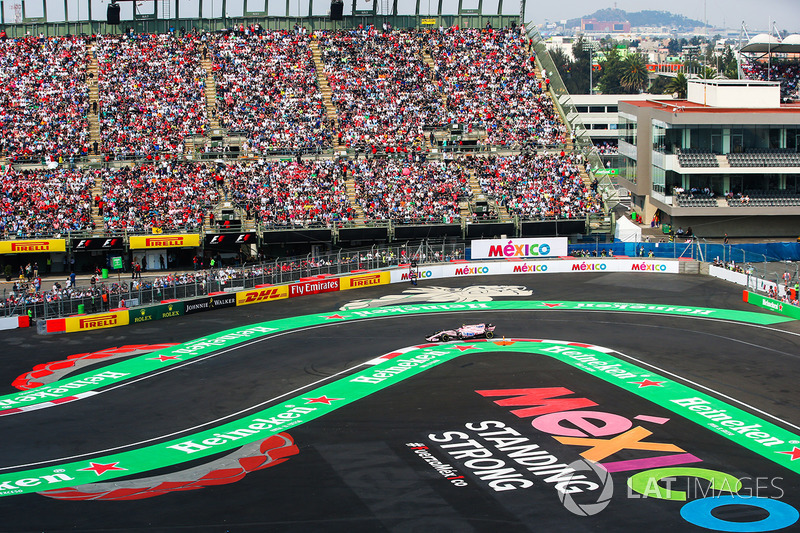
[[262, 294], [100, 321], [33, 246], [155, 312], [364, 280], [143, 242]]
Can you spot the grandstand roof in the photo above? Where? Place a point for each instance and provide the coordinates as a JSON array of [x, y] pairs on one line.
[[764, 43], [685, 106]]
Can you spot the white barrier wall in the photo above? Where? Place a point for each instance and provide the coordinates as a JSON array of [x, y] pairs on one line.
[[490, 268], [11, 322], [753, 283]]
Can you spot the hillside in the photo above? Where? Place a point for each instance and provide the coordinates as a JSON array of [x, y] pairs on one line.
[[640, 18]]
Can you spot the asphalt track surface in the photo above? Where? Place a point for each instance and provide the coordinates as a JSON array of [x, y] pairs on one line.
[[356, 469]]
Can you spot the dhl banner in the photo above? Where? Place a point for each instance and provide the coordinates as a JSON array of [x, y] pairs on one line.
[[99, 321], [139, 242], [364, 280], [33, 246], [263, 294]]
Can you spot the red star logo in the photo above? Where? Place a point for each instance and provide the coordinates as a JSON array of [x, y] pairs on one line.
[[101, 469], [463, 348], [795, 453], [322, 399], [648, 383], [163, 358], [553, 305], [335, 316]]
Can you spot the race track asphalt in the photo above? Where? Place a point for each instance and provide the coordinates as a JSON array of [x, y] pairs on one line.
[[355, 469]]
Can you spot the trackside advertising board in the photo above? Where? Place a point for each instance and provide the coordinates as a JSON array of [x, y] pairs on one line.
[[773, 305], [99, 321], [263, 294], [208, 303], [519, 248], [457, 270], [139, 242], [304, 288], [155, 312], [33, 246], [364, 280]]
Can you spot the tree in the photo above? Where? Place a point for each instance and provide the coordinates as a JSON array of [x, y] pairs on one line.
[[575, 74], [634, 73], [678, 85], [728, 64], [609, 82], [674, 47], [581, 67], [658, 86], [708, 73]]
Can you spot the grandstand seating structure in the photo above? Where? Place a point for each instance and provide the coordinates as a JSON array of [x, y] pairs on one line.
[[151, 94], [390, 92], [762, 198], [44, 98], [695, 158], [764, 158], [688, 200]]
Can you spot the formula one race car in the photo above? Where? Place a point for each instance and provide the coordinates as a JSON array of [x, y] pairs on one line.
[[472, 331]]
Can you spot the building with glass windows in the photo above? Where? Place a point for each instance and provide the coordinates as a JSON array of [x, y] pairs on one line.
[[724, 160]]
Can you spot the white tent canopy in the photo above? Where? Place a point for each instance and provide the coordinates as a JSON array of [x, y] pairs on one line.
[[764, 43], [627, 231]]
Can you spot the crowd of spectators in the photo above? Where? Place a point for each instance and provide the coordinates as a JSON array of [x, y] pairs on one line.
[[786, 73], [151, 93], [288, 193], [168, 196], [607, 147], [44, 98], [267, 89], [29, 290], [382, 88], [410, 191], [538, 186], [44, 202], [489, 81]]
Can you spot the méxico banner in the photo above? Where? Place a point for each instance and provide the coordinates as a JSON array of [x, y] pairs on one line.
[[518, 248], [578, 266]]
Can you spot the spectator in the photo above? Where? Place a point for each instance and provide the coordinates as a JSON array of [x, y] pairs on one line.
[[267, 88], [44, 99], [151, 94]]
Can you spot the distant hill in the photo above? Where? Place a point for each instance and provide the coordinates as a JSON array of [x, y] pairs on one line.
[[640, 18]]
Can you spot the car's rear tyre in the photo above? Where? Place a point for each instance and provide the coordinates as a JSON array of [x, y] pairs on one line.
[[489, 334], [445, 337]]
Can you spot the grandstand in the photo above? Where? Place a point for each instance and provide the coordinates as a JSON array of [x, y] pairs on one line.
[[374, 129]]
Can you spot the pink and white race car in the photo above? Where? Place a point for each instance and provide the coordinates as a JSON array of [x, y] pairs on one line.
[[472, 331]]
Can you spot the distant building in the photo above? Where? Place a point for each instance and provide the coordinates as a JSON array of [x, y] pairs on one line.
[[725, 160], [605, 26]]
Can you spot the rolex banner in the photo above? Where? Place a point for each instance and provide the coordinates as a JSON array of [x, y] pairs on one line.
[[155, 312]]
